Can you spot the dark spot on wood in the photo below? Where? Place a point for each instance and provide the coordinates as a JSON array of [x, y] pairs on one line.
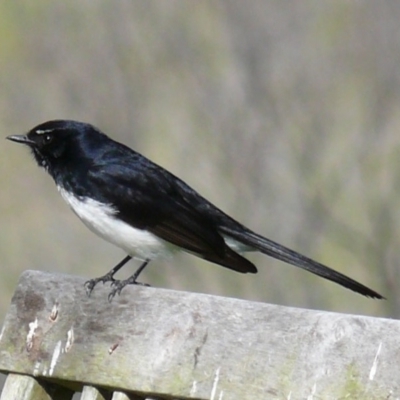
[[95, 327], [34, 301], [28, 303], [198, 349]]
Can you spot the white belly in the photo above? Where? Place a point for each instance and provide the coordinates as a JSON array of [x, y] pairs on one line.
[[100, 219]]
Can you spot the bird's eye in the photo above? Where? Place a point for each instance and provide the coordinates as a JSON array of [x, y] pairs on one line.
[[48, 138]]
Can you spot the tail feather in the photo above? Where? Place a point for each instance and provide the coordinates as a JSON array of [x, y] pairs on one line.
[[231, 260], [283, 253]]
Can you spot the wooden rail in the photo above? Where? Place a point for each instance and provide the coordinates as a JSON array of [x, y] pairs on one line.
[[152, 343]]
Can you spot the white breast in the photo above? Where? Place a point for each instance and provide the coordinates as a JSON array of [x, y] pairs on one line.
[[100, 218]]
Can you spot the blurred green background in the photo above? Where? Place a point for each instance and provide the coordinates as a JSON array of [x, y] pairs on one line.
[[284, 114]]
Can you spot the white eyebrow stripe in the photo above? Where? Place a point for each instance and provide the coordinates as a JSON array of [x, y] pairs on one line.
[[43, 131]]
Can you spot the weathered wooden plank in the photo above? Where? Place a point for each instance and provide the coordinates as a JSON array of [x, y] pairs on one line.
[[23, 387], [92, 393], [169, 344]]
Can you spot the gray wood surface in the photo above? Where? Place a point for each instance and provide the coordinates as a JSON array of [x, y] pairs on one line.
[[24, 387], [170, 344], [92, 393]]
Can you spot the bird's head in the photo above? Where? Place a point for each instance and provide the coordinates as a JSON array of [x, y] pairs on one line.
[[52, 141]]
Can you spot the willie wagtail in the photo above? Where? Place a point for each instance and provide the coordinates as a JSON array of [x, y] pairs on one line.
[[145, 210]]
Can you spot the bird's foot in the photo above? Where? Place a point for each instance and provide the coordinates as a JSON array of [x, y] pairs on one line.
[[118, 285], [91, 283]]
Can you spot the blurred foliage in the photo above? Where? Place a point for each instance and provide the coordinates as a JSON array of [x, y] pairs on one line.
[[284, 114]]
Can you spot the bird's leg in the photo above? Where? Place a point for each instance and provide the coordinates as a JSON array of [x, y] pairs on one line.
[[109, 277], [119, 285]]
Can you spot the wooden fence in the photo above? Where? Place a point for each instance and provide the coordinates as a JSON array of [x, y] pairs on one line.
[[154, 343]]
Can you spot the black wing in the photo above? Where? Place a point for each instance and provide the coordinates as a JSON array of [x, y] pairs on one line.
[[148, 198]]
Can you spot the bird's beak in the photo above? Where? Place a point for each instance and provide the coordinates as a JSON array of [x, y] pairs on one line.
[[20, 139]]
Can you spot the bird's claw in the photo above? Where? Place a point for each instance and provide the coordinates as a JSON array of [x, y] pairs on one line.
[[91, 283], [113, 293], [119, 285], [89, 286]]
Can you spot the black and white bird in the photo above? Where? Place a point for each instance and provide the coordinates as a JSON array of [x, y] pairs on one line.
[[145, 210]]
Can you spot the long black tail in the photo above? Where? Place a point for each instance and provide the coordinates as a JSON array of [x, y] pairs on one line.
[[282, 253]]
